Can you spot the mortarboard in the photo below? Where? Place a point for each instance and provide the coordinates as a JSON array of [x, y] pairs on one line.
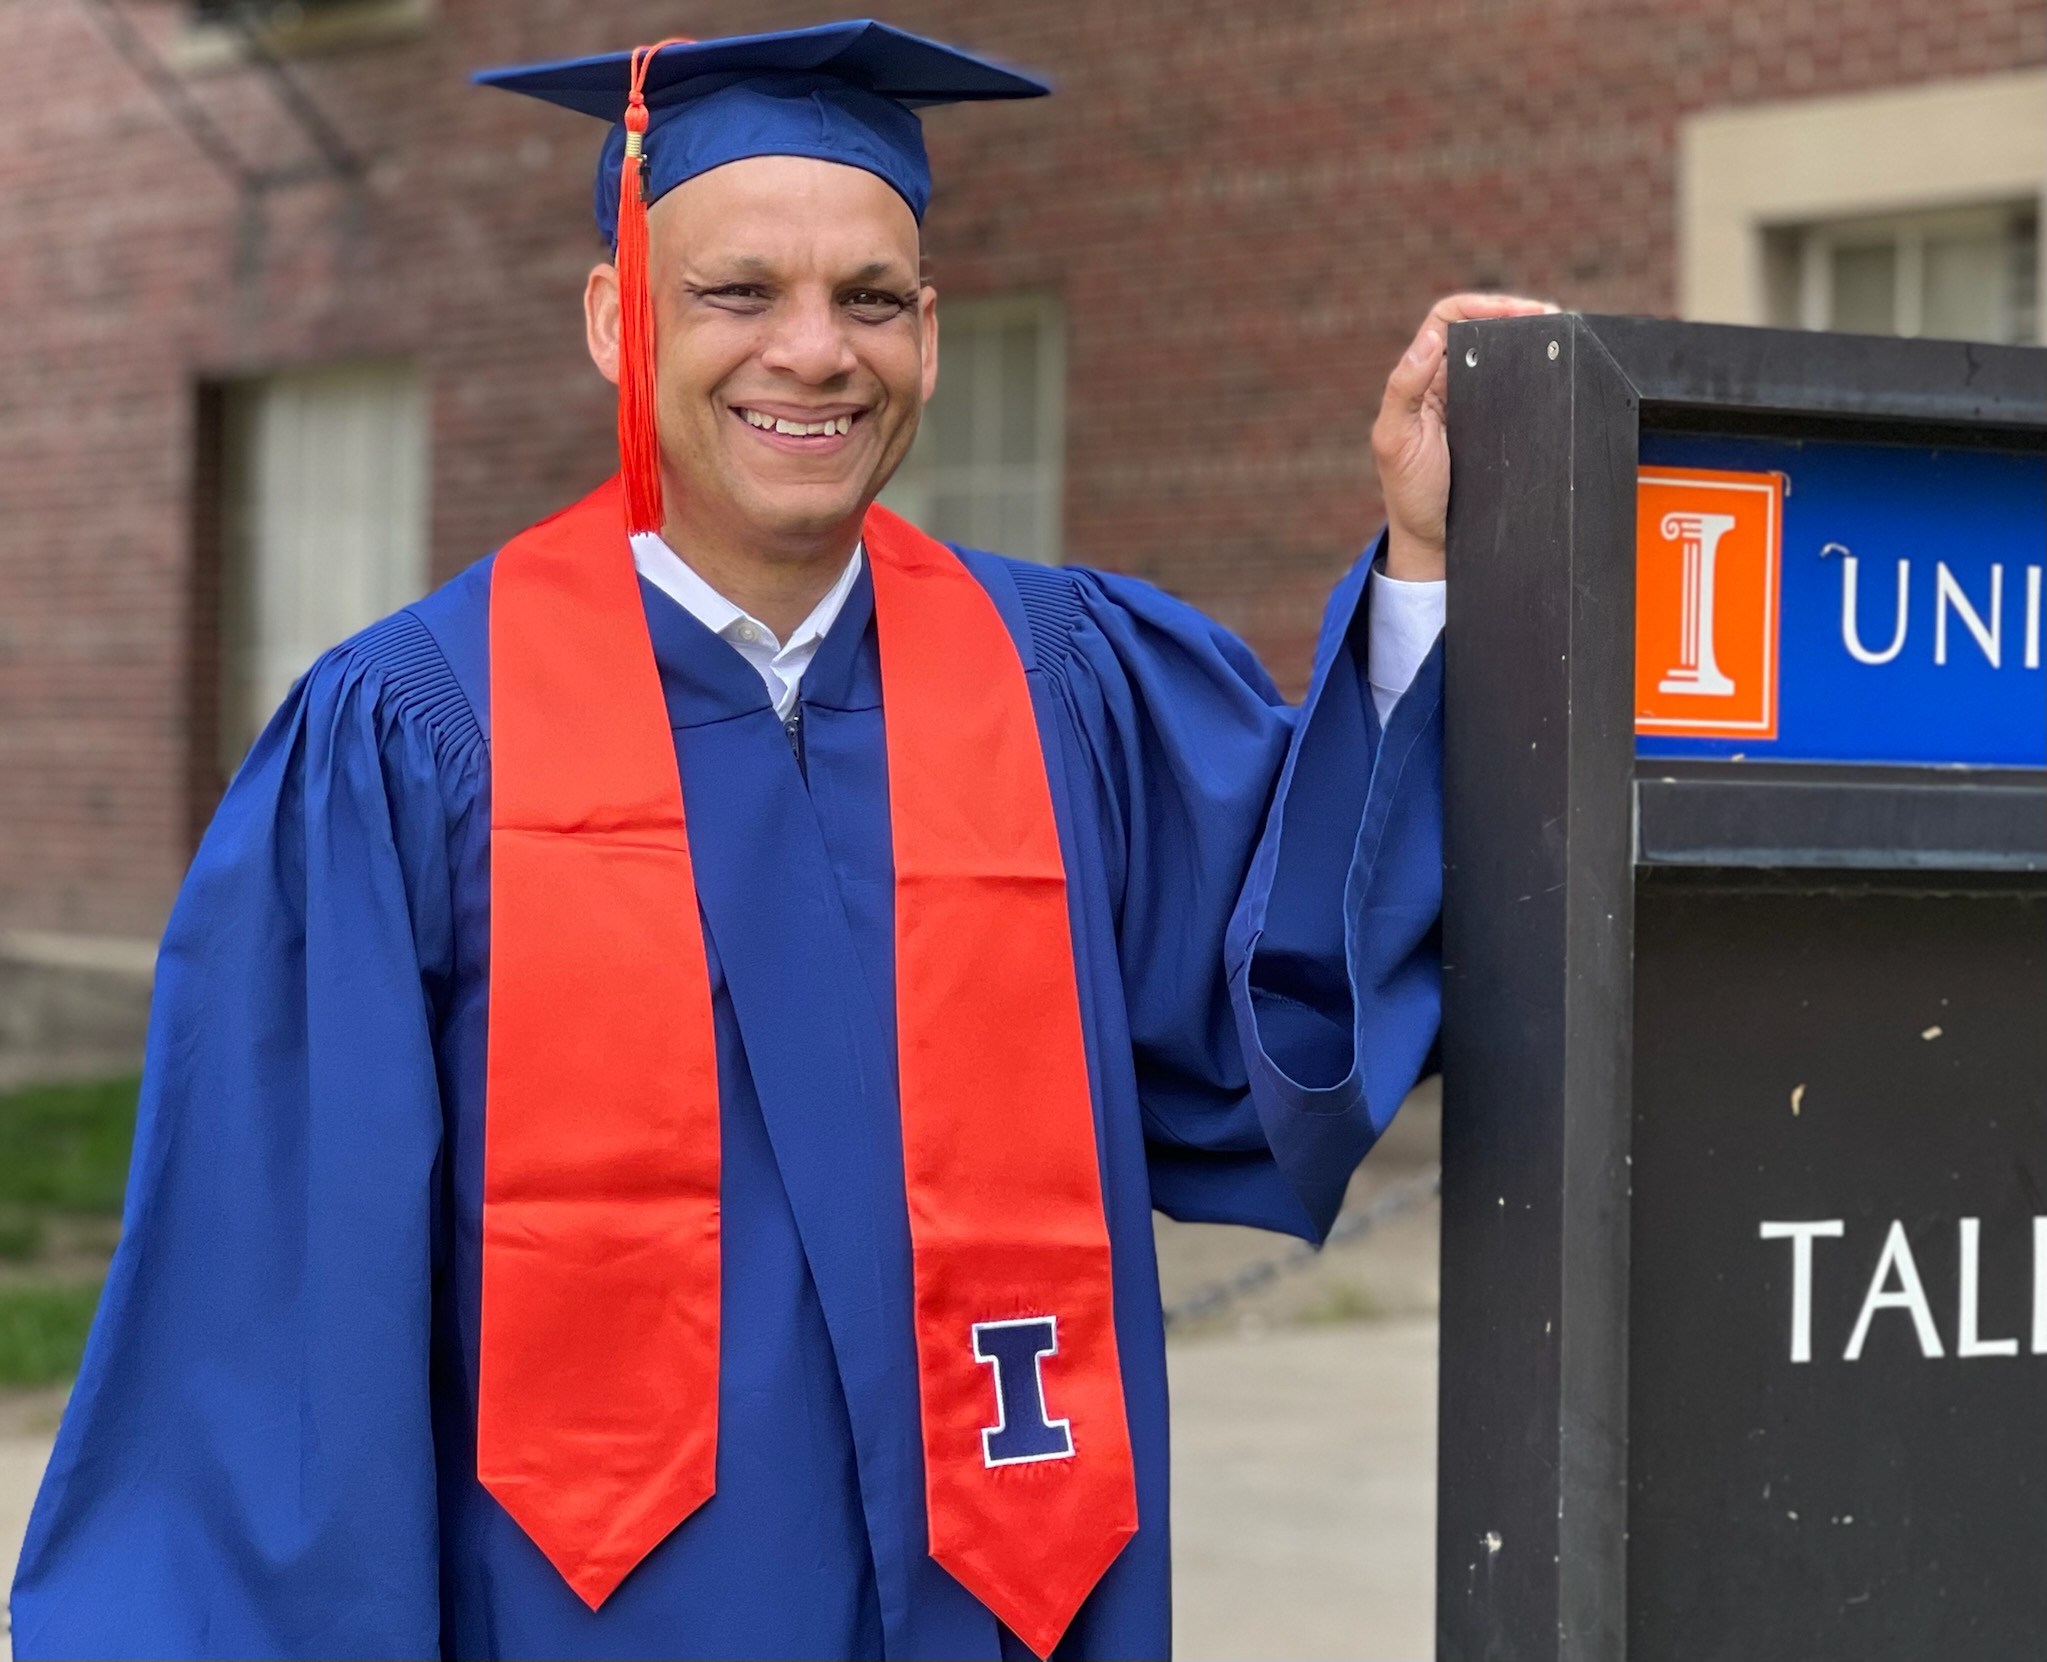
[[839, 92]]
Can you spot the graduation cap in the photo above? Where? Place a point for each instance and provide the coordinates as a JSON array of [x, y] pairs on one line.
[[839, 92]]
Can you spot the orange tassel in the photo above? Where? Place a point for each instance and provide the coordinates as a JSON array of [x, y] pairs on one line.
[[639, 433]]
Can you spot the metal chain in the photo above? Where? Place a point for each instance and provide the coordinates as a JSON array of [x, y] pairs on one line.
[[1389, 1202]]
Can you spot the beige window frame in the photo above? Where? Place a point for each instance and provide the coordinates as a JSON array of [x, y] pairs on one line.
[[1748, 177]]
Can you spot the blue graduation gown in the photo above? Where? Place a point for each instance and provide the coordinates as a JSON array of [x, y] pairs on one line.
[[270, 1450]]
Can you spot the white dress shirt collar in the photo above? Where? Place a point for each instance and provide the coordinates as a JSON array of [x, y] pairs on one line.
[[780, 665], [1405, 619]]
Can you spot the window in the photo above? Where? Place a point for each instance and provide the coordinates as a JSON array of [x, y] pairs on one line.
[[274, 13], [986, 468], [323, 525], [214, 38], [1967, 274], [1913, 200]]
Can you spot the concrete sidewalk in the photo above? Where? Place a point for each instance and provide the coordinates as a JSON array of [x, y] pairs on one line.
[[1304, 1512], [28, 1421]]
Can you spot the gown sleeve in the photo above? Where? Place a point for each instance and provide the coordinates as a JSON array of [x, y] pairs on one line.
[[1278, 874], [246, 1464]]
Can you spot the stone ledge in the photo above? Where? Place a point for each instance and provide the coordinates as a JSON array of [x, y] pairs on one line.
[[71, 1003], [104, 954]]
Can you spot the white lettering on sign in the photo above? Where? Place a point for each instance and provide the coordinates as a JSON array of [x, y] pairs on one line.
[[1909, 1295], [1968, 1343], [1990, 637], [2040, 1286], [1801, 1236], [1896, 1285], [1982, 616], [1851, 628]]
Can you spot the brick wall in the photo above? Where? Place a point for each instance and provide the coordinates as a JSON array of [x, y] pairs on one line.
[[1243, 207]]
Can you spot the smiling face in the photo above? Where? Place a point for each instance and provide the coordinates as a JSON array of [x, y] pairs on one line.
[[795, 348]]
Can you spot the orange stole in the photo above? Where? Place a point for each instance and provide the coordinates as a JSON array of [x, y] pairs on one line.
[[597, 1412]]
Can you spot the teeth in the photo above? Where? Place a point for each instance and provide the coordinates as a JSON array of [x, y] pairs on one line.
[[797, 429]]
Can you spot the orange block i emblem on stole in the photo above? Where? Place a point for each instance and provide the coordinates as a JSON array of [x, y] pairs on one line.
[[1707, 552]]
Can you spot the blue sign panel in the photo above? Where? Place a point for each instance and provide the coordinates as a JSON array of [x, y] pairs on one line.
[[1821, 602]]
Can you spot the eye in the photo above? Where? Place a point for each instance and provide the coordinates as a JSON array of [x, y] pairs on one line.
[[744, 298], [876, 305]]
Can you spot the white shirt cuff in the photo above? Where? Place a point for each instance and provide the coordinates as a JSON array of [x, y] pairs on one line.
[[1402, 624]]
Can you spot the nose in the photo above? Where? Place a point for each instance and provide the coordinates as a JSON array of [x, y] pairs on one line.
[[808, 340]]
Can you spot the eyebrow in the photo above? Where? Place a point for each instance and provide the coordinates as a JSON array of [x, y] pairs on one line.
[[758, 266]]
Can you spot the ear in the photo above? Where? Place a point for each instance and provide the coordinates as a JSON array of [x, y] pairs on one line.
[[600, 319], [927, 322]]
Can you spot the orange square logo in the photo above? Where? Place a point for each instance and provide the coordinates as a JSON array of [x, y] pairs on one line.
[[1706, 558]]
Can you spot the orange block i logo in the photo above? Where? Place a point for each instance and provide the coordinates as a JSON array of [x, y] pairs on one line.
[[1707, 549]]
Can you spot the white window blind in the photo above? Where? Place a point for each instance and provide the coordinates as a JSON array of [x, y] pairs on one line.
[[1962, 274], [325, 525], [987, 466]]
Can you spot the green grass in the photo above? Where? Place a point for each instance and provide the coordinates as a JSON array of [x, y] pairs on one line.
[[42, 1331], [21, 1237], [63, 1156], [64, 1148]]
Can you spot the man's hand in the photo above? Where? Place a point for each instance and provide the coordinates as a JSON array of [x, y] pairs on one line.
[[1407, 440]]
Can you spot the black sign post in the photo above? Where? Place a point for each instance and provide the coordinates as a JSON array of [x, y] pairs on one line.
[[1744, 1322]]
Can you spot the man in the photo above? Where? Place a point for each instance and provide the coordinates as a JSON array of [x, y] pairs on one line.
[[664, 1061]]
